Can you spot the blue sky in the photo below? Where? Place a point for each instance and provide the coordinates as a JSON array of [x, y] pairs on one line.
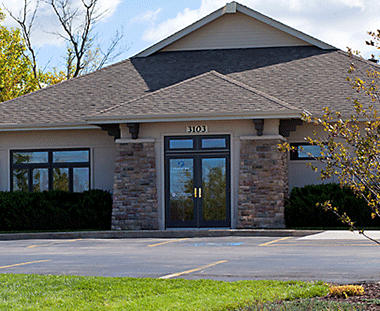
[[340, 23]]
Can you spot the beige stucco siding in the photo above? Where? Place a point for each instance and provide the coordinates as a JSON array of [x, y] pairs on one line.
[[234, 31], [101, 145], [300, 173]]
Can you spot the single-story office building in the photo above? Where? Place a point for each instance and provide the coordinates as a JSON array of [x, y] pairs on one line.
[[185, 133]]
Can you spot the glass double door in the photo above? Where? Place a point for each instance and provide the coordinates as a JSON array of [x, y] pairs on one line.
[[197, 190]]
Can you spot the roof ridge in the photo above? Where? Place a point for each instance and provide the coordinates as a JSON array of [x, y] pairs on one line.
[[253, 90], [154, 92], [211, 72]]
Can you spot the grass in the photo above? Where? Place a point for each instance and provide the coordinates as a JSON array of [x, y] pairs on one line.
[[49, 292], [304, 305]]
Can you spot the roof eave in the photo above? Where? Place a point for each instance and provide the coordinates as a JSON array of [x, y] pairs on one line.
[[11, 127], [193, 117]]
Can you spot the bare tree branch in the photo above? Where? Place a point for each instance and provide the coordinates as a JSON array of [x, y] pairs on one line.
[[77, 30], [26, 31], [81, 39]]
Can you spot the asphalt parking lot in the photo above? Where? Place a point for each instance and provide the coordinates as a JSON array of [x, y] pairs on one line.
[[328, 257]]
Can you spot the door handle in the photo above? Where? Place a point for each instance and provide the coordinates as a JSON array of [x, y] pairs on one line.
[[200, 192], [195, 192]]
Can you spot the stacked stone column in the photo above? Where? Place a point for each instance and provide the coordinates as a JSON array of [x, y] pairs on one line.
[[135, 191], [263, 184]]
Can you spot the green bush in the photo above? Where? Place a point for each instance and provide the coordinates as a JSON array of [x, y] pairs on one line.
[[55, 210], [302, 210]]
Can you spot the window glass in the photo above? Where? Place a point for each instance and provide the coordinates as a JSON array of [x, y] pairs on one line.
[[214, 143], [181, 144], [20, 179], [181, 189], [70, 156], [61, 179], [81, 179], [214, 188], [40, 179], [68, 169], [30, 157], [305, 150]]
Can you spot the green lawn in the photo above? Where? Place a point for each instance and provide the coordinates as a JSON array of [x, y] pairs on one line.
[[39, 292]]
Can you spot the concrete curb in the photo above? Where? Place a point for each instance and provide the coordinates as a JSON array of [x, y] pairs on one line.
[[191, 233]]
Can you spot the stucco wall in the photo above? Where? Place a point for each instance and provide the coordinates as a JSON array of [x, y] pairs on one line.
[[300, 174], [101, 145]]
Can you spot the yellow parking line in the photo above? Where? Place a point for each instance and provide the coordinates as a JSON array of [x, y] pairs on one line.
[[171, 241], [169, 276], [24, 263], [275, 241], [37, 245]]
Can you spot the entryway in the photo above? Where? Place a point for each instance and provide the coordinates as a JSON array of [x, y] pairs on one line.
[[197, 181]]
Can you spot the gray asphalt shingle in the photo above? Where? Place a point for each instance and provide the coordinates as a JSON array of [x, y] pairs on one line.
[[307, 78], [206, 93]]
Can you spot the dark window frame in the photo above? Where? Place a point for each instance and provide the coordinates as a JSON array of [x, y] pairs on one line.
[[294, 154], [197, 144], [50, 165]]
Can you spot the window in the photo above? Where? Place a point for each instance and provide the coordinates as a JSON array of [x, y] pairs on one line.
[[211, 143], [39, 170], [303, 151]]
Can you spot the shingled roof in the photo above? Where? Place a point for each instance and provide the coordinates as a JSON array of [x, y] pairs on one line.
[[210, 95], [263, 80], [305, 78]]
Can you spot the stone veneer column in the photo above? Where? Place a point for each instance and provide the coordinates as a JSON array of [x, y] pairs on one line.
[[263, 184], [135, 192]]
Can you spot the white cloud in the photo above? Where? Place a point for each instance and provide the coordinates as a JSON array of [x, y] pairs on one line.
[[353, 3], [170, 26], [149, 16], [182, 20], [108, 6]]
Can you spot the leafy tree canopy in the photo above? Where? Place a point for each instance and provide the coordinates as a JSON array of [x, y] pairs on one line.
[[16, 77]]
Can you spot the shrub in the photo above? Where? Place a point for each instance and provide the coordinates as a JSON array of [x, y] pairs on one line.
[[346, 290], [55, 210], [302, 210]]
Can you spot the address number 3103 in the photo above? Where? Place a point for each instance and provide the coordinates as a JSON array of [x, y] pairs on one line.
[[196, 129]]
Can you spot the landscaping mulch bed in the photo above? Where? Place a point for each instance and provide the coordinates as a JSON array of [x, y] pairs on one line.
[[371, 297]]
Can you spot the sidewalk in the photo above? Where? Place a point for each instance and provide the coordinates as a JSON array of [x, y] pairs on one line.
[[184, 233], [343, 235]]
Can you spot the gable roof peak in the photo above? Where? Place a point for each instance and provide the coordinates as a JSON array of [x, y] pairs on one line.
[[230, 7], [233, 8]]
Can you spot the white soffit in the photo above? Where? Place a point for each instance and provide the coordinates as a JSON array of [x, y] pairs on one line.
[[231, 8]]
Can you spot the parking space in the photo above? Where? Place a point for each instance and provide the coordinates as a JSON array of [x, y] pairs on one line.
[[227, 258]]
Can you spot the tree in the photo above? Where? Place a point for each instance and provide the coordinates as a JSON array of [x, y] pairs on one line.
[[16, 73], [350, 147], [77, 23]]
